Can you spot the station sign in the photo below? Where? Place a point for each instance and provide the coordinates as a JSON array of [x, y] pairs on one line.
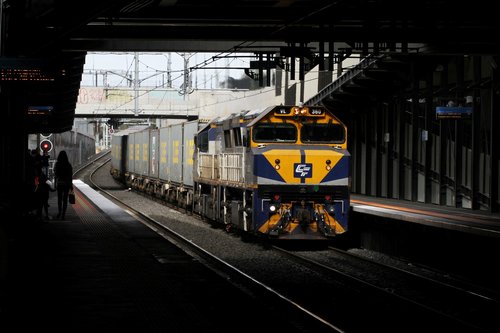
[[29, 70], [40, 110], [455, 112]]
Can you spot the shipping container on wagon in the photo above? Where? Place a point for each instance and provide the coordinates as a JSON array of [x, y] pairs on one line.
[[131, 153], [117, 153], [165, 150], [120, 149], [137, 141], [142, 168], [190, 130], [175, 145], [154, 139]]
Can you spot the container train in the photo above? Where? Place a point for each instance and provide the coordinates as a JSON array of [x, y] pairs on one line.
[[281, 172]]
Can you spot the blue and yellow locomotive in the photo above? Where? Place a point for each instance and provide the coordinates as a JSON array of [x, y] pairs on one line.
[[282, 172]]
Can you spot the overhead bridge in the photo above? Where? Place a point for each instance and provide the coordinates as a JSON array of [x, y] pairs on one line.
[[149, 102]]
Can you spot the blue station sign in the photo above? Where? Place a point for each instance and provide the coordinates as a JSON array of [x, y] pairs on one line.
[[455, 112]]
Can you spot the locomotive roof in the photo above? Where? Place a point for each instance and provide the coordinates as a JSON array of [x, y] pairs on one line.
[[256, 112], [265, 112], [260, 115], [253, 116]]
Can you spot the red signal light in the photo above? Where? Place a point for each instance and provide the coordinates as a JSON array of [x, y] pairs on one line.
[[46, 145]]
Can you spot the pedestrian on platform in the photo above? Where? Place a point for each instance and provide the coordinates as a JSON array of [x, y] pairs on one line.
[[42, 194], [29, 185], [63, 171], [45, 163], [37, 160]]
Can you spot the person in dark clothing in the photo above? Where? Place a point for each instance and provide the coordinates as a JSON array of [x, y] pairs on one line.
[[37, 161], [42, 192], [29, 185], [45, 163], [63, 171]]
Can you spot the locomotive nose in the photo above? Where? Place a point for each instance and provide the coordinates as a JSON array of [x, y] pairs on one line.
[[299, 166]]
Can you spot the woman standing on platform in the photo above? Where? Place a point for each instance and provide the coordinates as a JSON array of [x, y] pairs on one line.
[[63, 171]]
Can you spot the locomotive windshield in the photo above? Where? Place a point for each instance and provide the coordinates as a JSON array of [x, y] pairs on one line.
[[322, 133], [274, 132]]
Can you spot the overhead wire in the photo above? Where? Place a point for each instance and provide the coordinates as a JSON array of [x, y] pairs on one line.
[[233, 50]]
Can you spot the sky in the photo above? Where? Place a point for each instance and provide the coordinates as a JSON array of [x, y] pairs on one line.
[[111, 69]]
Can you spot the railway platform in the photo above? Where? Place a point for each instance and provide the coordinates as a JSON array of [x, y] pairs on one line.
[[456, 240], [101, 270], [476, 222]]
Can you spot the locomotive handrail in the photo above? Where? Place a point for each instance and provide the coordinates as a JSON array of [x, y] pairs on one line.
[[207, 165], [232, 167]]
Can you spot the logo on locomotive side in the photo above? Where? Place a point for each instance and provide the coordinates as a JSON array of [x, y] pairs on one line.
[[302, 170]]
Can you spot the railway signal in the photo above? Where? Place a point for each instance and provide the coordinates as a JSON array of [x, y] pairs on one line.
[[46, 145]]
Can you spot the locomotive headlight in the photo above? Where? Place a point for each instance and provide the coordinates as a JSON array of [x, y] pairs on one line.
[[328, 166], [277, 165], [275, 203]]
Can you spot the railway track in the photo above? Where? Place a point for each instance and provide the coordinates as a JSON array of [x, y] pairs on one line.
[[465, 306], [231, 273], [304, 281]]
